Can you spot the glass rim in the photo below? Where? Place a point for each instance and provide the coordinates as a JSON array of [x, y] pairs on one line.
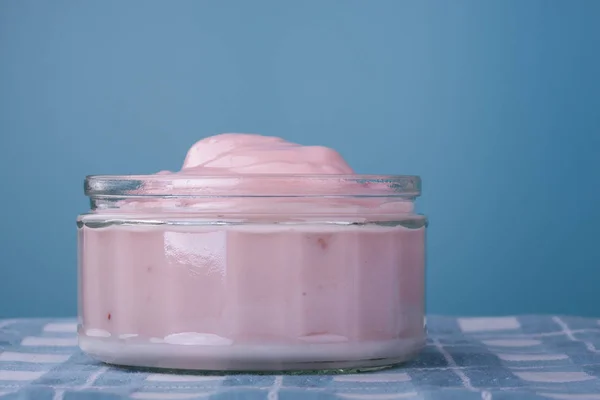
[[252, 185]]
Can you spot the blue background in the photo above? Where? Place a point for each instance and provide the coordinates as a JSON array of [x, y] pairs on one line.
[[496, 104]]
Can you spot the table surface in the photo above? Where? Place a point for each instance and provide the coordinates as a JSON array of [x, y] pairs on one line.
[[524, 357]]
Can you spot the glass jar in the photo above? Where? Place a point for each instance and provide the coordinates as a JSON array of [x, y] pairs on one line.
[[252, 272]]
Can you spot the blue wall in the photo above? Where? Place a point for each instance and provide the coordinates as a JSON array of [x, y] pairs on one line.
[[496, 104]]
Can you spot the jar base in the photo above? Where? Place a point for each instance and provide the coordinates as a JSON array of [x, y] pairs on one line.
[[333, 357]]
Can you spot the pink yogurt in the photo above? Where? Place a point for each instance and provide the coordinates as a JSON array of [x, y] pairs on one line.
[[259, 254]]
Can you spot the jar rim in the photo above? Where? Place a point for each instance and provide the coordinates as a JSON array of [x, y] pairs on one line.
[[178, 185]]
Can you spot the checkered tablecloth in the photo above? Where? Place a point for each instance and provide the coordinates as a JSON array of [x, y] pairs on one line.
[[528, 357]]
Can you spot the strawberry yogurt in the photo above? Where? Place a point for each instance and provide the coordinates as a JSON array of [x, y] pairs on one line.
[[259, 254]]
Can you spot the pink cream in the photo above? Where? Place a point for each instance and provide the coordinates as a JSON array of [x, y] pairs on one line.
[[286, 283]]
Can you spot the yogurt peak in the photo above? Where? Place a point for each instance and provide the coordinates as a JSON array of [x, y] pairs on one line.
[[242, 153]]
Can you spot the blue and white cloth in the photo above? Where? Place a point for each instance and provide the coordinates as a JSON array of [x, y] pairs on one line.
[[525, 357]]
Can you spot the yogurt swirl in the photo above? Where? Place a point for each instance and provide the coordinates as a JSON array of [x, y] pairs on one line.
[[238, 153]]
